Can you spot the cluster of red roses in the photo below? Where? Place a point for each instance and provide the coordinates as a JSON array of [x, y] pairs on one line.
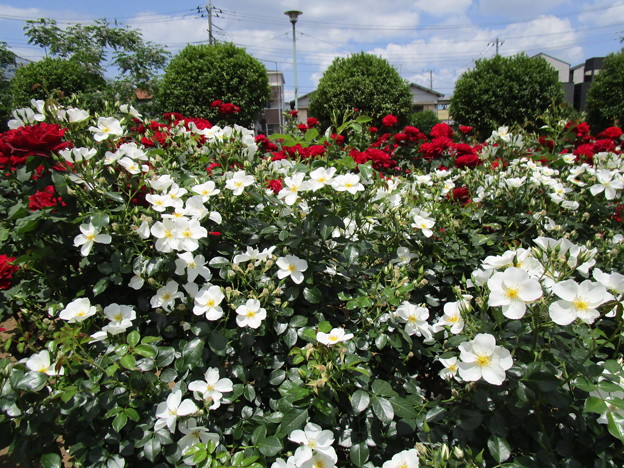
[[310, 123], [606, 140], [156, 133], [225, 109], [30, 140], [7, 270]]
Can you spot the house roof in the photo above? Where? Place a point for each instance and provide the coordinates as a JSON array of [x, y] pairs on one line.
[[542, 54], [428, 90]]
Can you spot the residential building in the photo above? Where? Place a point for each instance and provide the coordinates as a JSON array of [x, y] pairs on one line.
[[272, 118], [423, 99]]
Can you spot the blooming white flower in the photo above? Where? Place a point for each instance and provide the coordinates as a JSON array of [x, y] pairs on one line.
[[404, 256], [78, 310], [168, 411], [166, 296], [253, 254], [193, 266], [164, 232], [132, 166], [128, 109], [292, 266], [40, 362], [280, 463], [207, 302], [212, 388], [422, 221], [189, 232], [320, 177], [206, 190], [335, 336], [89, 236], [453, 315], [75, 155], [238, 181], [120, 319], [613, 281], [451, 366], [405, 459], [313, 440], [106, 126], [415, 318], [577, 301], [161, 183], [194, 434], [513, 289], [250, 314], [608, 182], [482, 358], [501, 134], [347, 183], [292, 186]]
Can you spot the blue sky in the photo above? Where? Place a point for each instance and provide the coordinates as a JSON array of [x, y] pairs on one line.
[[428, 41]]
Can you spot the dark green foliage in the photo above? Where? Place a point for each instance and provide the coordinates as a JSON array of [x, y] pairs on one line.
[[605, 100], [365, 82], [424, 120], [505, 91], [7, 57], [201, 74], [38, 79], [89, 45]]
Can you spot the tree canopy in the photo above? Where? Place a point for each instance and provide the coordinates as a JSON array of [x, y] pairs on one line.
[[202, 74], [605, 99], [505, 91], [365, 82], [90, 45]]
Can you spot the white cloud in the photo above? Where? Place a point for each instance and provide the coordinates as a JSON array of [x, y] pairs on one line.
[[602, 13], [520, 9]]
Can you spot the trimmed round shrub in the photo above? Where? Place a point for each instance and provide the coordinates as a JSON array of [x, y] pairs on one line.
[[365, 82], [38, 80], [605, 99], [505, 91], [202, 74]]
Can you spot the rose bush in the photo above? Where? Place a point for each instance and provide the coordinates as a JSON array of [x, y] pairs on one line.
[[188, 294]]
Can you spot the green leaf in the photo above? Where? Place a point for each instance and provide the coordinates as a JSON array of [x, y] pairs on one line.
[[359, 453], [499, 448], [152, 449], [132, 414], [293, 419], [116, 196], [33, 381], [382, 388], [145, 351], [51, 460], [616, 429], [120, 421], [366, 170], [270, 446], [128, 361], [313, 295], [360, 401], [403, 408], [595, 405], [101, 286], [100, 219], [133, 338], [193, 350], [382, 409]]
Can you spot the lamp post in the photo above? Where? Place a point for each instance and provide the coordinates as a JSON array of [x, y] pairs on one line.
[[293, 15]]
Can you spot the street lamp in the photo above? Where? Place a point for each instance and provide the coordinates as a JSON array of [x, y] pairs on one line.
[[293, 15]]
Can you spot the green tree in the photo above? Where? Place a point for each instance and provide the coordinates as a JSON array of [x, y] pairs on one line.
[[38, 80], [605, 99], [90, 45], [201, 74], [7, 58], [365, 82], [424, 120], [505, 91]]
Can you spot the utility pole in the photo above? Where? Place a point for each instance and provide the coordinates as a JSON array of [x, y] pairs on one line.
[[430, 79], [497, 42], [209, 8]]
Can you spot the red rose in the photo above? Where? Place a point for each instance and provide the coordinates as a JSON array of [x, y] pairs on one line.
[[7, 269], [303, 127], [441, 130], [389, 121], [612, 132], [465, 129], [312, 122], [373, 129], [294, 113], [275, 185], [215, 103], [467, 161], [41, 139], [460, 194], [44, 198]]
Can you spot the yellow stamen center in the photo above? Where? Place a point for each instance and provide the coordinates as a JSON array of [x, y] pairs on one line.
[[483, 361]]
